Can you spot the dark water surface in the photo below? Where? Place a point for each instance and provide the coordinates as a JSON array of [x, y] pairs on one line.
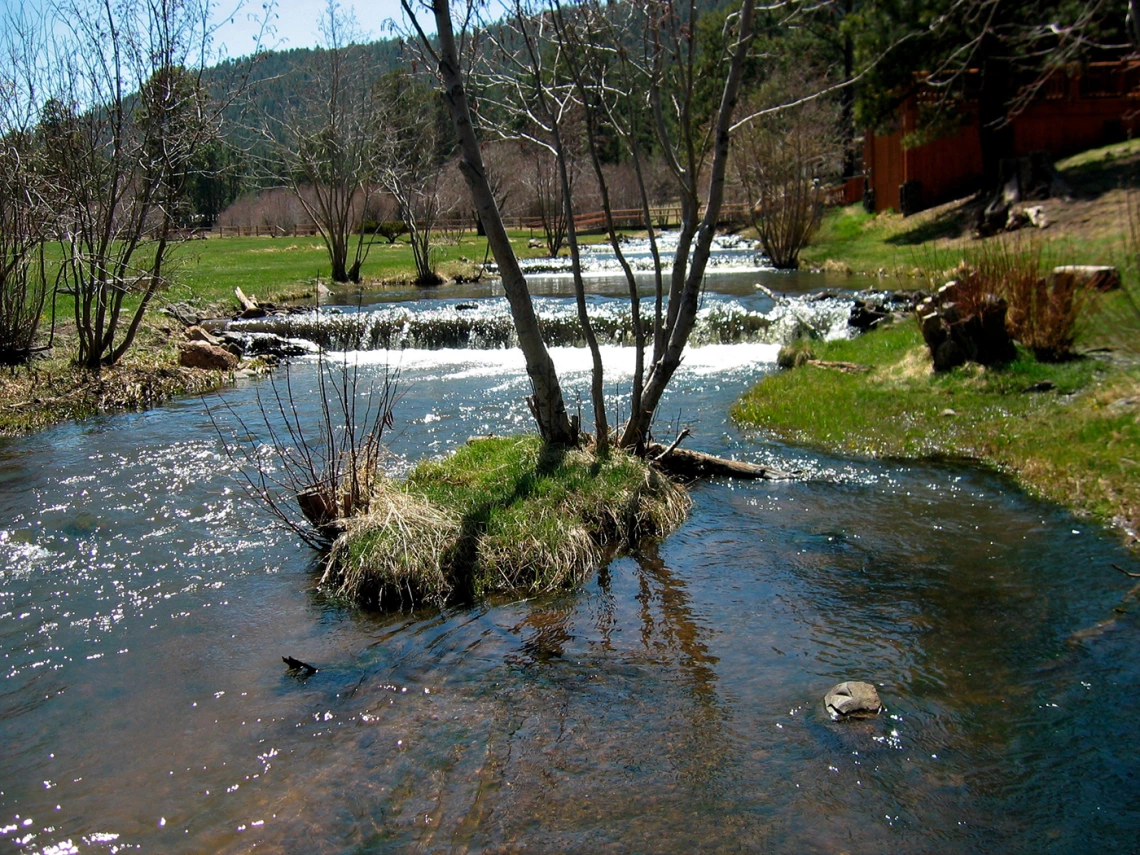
[[674, 704]]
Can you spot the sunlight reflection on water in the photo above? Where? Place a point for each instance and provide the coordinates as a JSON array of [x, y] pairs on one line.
[[671, 705]]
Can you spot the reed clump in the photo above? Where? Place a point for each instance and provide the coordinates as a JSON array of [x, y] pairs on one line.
[[1045, 310], [397, 550], [500, 515]]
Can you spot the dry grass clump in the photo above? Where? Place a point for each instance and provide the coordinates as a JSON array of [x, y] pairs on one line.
[[396, 551], [1045, 310], [500, 515], [39, 394]]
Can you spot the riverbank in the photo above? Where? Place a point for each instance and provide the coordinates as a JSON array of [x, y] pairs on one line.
[[51, 389], [283, 271], [1068, 432]]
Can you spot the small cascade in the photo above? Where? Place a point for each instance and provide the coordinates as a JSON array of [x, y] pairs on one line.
[[728, 252], [486, 324]]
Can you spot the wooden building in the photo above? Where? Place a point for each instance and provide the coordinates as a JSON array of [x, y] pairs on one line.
[[1096, 105]]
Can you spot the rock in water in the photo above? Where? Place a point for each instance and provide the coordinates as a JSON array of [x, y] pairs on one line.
[[852, 699], [199, 354], [296, 666]]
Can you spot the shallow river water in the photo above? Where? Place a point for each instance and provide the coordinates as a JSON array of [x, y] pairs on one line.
[[673, 704]]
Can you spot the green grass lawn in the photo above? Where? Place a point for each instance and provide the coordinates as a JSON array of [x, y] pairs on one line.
[[285, 269], [1076, 442], [279, 269]]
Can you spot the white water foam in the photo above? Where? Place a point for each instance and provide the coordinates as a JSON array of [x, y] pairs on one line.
[[464, 363]]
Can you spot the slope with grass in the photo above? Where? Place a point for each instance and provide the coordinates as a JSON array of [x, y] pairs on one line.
[[1069, 432], [1088, 228]]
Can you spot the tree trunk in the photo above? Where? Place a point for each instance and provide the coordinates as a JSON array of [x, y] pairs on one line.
[[683, 307], [547, 403], [995, 134]]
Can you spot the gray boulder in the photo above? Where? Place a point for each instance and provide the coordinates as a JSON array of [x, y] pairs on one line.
[[852, 699]]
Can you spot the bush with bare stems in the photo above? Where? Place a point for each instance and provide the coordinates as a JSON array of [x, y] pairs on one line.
[[313, 474], [782, 160]]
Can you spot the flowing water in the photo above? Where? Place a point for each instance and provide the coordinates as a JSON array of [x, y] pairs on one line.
[[673, 704]]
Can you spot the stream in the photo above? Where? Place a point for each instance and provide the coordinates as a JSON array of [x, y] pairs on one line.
[[672, 704]]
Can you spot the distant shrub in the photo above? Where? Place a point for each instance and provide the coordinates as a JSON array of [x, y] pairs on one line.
[[388, 229]]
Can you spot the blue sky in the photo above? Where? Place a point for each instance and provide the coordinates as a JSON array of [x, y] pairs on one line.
[[295, 23]]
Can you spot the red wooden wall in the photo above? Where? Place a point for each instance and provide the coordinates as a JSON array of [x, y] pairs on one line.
[[1070, 113]]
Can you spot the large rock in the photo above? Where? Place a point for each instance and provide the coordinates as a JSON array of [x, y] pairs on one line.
[[853, 699], [199, 354], [865, 314]]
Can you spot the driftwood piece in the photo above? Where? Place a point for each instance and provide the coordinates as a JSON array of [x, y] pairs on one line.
[[298, 667], [673, 446], [247, 303], [683, 463], [845, 367], [250, 308]]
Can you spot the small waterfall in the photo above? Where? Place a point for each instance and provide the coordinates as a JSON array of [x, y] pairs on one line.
[[728, 252], [486, 324]]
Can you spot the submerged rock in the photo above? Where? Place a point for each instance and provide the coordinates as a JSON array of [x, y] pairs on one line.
[[853, 699]]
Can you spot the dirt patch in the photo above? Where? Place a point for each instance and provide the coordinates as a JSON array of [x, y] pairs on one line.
[[290, 248], [1096, 213]]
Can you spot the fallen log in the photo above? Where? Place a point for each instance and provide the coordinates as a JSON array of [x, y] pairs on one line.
[[683, 463], [250, 308]]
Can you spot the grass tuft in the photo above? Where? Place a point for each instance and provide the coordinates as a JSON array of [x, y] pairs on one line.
[[397, 551], [500, 515]]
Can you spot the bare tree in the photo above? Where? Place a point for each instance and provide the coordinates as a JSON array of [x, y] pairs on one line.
[[327, 143], [414, 168], [546, 403], [545, 185], [25, 212], [656, 83], [128, 116], [781, 160]]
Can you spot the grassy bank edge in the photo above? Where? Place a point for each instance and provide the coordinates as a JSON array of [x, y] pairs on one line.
[[499, 515], [48, 392], [1068, 433]]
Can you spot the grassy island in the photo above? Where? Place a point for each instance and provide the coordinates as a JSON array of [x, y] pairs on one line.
[[503, 514], [1069, 431]]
